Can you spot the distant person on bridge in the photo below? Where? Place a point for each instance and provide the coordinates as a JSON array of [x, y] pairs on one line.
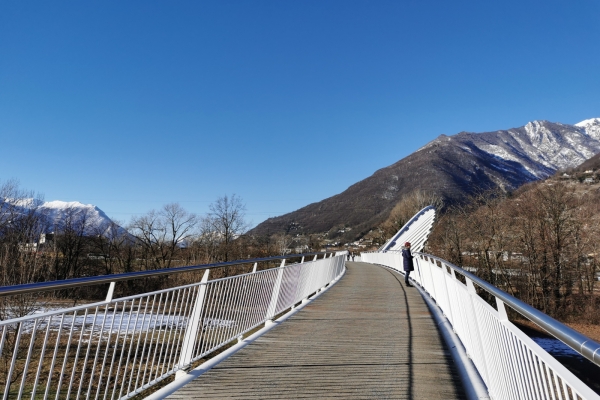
[[408, 262]]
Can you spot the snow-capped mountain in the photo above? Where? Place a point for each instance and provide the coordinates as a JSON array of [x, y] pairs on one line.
[[453, 167], [88, 217], [58, 210], [541, 147], [591, 127]]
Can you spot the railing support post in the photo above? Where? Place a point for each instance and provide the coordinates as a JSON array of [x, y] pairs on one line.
[[501, 310], [191, 333], [111, 291], [275, 295]]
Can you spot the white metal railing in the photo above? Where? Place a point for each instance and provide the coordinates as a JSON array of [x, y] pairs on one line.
[[511, 365], [415, 231], [116, 348]]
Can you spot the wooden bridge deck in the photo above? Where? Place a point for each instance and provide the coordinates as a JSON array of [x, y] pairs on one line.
[[369, 336]]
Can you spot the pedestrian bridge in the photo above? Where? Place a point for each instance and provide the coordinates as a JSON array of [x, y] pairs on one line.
[[315, 326], [369, 336]]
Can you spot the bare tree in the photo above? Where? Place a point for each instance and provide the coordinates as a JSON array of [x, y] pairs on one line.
[[205, 246], [161, 233], [21, 226], [114, 247], [283, 243], [540, 244], [447, 237], [70, 235], [550, 238], [227, 216]]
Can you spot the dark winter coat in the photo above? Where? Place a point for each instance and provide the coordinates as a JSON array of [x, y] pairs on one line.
[[408, 259]]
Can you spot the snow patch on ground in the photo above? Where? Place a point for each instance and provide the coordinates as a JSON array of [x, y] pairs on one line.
[[119, 322]]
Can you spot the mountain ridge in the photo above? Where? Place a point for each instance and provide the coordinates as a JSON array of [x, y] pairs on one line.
[[57, 212], [449, 166]]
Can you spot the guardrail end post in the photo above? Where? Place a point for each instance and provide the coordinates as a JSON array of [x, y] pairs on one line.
[[111, 291]]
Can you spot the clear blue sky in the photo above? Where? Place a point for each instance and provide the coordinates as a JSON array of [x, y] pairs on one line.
[[130, 105]]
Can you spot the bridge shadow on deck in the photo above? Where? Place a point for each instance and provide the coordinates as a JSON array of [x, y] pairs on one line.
[[367, 337]]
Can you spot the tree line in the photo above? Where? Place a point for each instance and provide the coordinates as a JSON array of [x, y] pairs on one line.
[[35, 247], [540, 243]]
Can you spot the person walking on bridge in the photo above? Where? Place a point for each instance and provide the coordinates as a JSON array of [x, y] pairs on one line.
[[408, 262]]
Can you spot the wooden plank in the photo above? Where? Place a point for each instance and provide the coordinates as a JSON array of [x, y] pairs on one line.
[[369, 336]]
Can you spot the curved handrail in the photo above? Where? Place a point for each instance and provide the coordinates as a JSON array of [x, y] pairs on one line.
[[511, 364], [587, 347], [405, 228], [120, 347], [95, 280]]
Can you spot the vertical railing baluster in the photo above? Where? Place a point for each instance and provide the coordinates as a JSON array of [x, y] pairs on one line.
[[107, 352], [215, 309], [139, 384], [41, 361], [54, 356], [253, 301], [3, 338], [28, 358], [211, 293], [225, 310], [118, 372], [137, 343], [109, 377], [98, 347], [13, 361], [172, 331], [80, 341], [159, 325], [66, 355], [220, 315], [87, 353]]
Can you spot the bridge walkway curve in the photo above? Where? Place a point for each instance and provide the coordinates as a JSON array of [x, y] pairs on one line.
[[369, 336]]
